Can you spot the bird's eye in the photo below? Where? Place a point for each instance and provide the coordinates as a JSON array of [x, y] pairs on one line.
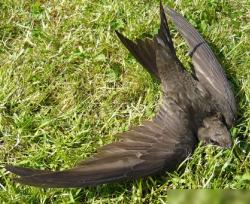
[[211, 141]]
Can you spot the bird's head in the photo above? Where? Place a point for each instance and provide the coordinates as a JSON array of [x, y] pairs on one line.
[[214, 131]]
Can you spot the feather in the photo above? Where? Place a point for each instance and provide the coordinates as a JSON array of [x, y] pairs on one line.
[[207, 68]]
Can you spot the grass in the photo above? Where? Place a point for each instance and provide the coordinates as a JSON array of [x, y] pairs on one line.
[[67, 86]]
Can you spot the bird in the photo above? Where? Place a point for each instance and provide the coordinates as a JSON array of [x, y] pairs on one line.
[[197, 107]]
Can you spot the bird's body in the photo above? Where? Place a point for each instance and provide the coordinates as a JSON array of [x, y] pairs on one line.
[[192, 109]]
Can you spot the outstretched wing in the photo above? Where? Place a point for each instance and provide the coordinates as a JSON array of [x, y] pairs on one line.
[[154, 146], [150, 148], [207, 68]]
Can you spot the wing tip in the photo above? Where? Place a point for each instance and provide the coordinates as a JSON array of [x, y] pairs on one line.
[[11, 168], [24, 171], [170, 11]]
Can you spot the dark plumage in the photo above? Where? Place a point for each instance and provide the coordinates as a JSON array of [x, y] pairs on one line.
[[192, 109]]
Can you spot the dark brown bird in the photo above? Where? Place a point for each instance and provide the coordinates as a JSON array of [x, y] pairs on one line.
[[194, 109]]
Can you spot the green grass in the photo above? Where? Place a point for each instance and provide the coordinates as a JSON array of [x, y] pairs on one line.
[[67, 86]]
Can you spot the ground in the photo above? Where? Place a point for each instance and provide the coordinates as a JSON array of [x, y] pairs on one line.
[[67, 86]]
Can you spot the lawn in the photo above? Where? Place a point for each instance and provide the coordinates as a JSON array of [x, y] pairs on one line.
[[68, 86]]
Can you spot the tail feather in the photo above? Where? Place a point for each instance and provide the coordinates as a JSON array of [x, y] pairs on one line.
[[145, 50], [164, 33]]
